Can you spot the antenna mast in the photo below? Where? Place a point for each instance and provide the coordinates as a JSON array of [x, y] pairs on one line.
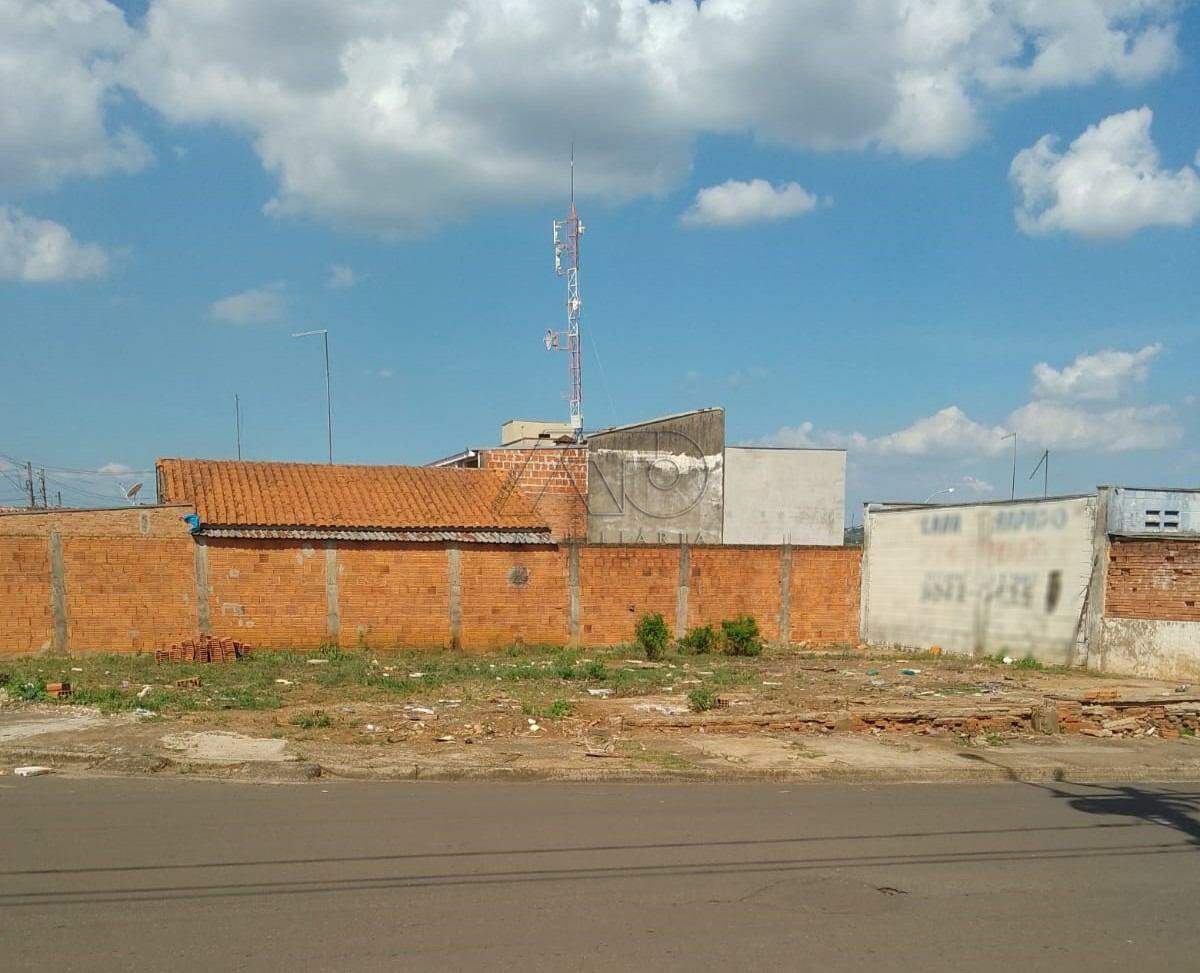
[[566, 264]]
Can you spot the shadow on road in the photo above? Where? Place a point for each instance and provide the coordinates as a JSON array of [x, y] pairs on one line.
[[1169, 808]]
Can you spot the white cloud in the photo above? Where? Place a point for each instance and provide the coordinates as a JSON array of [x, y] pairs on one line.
[[949, 431], [398, 117], [1054, 425], [262, 305], [115, 468], [1103, 375], [342, 276], [40, 251], [735, 203], [385, 373], [1051, 421], [1109, 182], [58, 64], [975, 485]]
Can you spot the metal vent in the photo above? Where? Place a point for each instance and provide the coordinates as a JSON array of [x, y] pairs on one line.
[[1162, 520]]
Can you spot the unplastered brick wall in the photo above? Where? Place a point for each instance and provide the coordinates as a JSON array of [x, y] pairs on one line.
[[1157, 578], [393, 594], [825, 589], [553, 479], [26, 624], [65, 584], [95, 580]]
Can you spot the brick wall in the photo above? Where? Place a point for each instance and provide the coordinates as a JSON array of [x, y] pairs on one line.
[[728, 581], [825, 590], [140, 587], [513, 595], [553, 478], [393, 594], [1156, 578], [617, 584], [267, 593], [25, 619]]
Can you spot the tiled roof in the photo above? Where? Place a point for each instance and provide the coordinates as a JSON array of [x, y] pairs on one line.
[[244, 494]]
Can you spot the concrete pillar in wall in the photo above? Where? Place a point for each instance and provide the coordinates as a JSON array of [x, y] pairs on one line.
[[454, 574], [681, 596], [333, 617], [574, 617], [785, 594], [1091, 646], [200, 564], [58, 595]]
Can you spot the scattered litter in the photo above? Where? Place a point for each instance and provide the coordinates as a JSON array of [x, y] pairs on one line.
[[772, 684], [602, 693], [419, 709], [910, 672], [602, 753], [190, 682], [416, 675], [444, 739], [533, 728], [370, 728], [1007, 660], [144, 692], [142, 711], [660, 708], [531, 721], [76, 668], [32, 771], [1182, 689], [284, 682], [58, 690]]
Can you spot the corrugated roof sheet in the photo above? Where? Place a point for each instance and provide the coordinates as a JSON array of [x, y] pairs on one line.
[[318, 534], [234, 493]]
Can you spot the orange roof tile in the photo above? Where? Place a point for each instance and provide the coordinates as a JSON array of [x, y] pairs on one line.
[[233, 492]]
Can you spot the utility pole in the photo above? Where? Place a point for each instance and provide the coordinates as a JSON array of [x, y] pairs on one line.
[[58, 501], [237, 414], [29, 484], [42, 477], [328, 400]]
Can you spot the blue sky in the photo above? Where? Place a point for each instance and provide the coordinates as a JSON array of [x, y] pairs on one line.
[[901, 286]]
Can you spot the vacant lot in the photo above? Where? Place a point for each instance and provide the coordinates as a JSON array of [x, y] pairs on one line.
[[372, 697]]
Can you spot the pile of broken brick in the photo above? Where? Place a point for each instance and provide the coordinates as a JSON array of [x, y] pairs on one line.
[[204, 649], [1104, 713]]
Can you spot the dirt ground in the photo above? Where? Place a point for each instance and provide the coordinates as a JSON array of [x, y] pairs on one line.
[[600, 700]]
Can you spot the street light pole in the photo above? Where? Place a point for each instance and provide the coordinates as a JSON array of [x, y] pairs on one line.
[[1013, 437], [328, 399], [938, 493]]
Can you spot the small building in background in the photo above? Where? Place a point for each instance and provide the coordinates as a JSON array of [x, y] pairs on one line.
[[670, 480], [1109, 580]]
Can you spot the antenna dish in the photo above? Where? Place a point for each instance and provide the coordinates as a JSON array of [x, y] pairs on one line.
[[133, 491]]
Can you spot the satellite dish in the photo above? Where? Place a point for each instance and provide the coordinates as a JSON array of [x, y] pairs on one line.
[[133, 491]]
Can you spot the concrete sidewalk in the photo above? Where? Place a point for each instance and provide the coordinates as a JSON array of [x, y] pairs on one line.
[[81, 742]]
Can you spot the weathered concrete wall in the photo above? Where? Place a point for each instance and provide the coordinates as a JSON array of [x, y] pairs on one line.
[[661, 482], [979, 579], [1149, 513], [784, 496], [1151, 648]]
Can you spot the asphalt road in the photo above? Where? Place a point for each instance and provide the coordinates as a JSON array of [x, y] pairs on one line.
[[106, 874]]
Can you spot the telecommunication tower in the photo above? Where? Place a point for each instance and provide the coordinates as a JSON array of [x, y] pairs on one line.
[[566, 264]]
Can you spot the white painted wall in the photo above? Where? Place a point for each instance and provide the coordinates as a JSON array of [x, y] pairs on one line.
[[981, 578], [776, 496], [1151, 648]]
